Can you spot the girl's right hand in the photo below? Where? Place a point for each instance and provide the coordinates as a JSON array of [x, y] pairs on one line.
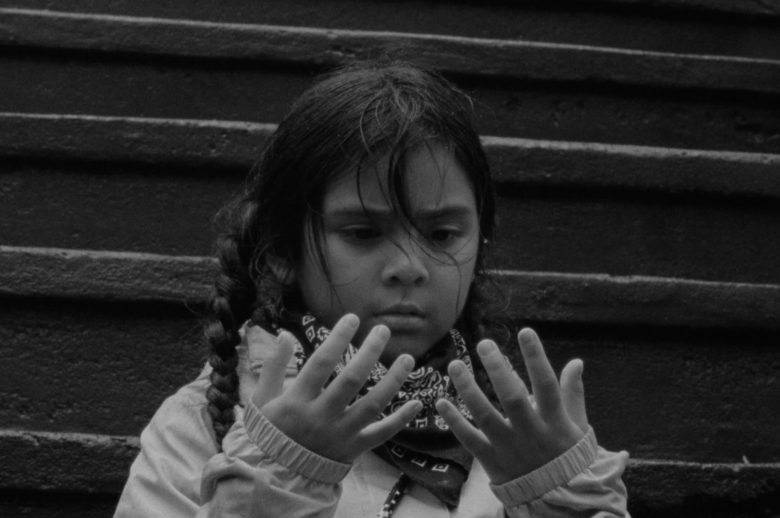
[[322, 419]]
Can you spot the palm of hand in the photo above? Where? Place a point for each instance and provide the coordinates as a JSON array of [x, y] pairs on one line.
[[529, 436], [322, 419]]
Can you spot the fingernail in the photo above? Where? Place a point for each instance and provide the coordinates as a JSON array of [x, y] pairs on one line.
[[407, 361], [351, 320], [382, 332], [526, 336], [486, 347], [456, 370]]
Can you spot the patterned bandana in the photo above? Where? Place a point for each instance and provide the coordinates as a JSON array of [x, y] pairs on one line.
[[426, 451]]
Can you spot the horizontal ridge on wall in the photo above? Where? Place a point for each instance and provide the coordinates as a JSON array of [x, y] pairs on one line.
[[535, 296], [760, 9], [197, 143], [764, 8], [98, 275], [70, 462], [326, 47]]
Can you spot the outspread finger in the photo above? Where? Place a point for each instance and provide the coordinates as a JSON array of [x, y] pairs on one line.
[[347, 384], [510, 389], [320, 365], [371, 405], [471, 438], [543, 380], [485, 416], [573, 393], [272, 375], [380, 431]]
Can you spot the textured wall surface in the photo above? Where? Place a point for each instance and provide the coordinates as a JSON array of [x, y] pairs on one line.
[[636, 146]]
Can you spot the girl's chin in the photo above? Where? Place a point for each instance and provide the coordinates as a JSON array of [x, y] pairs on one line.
[[399, 345]]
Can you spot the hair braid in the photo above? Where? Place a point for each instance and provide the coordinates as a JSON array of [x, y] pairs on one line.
[[232, 302]]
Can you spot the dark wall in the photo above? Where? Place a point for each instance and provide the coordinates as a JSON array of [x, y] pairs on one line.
[[636, 145]]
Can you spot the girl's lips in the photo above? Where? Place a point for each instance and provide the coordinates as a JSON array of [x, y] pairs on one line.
[[401, 322], [402, 308]]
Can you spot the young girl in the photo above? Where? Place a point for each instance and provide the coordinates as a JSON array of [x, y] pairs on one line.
[[343, 369]]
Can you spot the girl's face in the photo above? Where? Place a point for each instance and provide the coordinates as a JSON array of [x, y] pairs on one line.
[[415, 282]]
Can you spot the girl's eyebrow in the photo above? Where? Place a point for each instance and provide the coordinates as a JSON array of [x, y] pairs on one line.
[[453, 210]]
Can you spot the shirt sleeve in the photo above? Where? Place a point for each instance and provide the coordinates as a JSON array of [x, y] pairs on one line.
[[261, 473], [164, 478], [264, 473], [583, 482]]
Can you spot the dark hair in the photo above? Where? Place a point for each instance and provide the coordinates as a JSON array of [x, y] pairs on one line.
[[345, 121]]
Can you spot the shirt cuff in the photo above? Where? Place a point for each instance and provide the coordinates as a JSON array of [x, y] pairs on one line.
[[555, 473], [288, 453]]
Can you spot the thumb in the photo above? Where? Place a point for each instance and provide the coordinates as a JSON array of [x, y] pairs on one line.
[[272, 374], [573, 393]]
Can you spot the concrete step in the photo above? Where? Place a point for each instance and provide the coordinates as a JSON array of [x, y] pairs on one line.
[[719, 27], [653, 348], [537, 296], [96, 64], [95, 466], [85, 182], [235, 145], [450, 54]]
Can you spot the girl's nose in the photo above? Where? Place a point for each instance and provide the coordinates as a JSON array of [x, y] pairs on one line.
[[405, 264]]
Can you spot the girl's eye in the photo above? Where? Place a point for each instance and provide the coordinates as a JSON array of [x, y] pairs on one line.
[[442, 235], [361, 233]]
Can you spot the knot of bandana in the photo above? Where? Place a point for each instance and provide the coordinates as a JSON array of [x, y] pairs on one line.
[[426, 451]]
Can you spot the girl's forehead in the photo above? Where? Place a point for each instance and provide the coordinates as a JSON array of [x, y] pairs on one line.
[[432, 178]]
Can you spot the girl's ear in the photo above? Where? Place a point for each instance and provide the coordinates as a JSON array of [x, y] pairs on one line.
[[283, 270]]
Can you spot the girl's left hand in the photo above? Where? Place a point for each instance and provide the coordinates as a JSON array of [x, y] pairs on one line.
[[529, 436]]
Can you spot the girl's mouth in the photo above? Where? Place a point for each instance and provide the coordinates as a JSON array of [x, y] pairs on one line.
[[403, 317], [401, 322], [402, 308]]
